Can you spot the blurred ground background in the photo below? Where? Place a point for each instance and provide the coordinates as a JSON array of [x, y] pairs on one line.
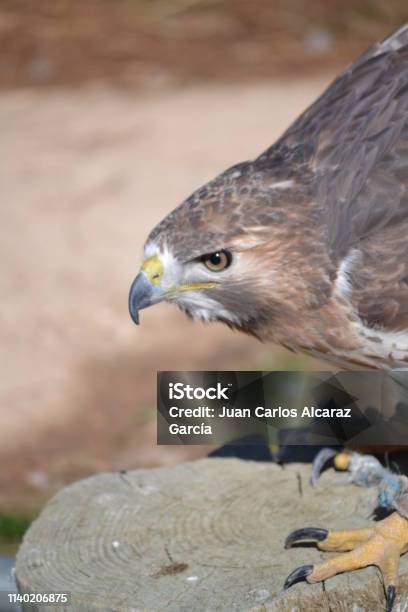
[[111, 113]]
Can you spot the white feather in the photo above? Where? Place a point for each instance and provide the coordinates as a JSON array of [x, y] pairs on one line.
[[343, 280]]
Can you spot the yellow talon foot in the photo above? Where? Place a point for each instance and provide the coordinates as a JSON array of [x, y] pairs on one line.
[[380, 545]]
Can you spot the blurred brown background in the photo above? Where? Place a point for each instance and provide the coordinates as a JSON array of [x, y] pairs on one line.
[[111, 113]]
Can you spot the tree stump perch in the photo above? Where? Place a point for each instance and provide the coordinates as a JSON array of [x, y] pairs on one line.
[[206, 535]]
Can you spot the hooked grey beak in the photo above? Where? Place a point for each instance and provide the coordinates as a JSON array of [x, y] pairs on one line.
[[142, 294]]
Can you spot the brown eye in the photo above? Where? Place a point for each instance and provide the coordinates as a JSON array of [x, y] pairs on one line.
[[217, 261]]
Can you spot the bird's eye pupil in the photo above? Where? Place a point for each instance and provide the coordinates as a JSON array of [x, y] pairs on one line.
[[217, 261]]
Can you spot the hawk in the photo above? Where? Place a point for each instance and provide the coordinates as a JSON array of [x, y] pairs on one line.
[[306, 246]]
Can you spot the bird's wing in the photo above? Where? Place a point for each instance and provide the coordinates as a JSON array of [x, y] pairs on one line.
[[354, 139], [355, 132]]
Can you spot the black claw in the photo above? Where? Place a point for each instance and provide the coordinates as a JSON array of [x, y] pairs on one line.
[[320, 461], [298, 574], [307, 533], [390, 598]]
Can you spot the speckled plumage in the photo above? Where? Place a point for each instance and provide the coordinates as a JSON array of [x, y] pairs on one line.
[[319, 222]]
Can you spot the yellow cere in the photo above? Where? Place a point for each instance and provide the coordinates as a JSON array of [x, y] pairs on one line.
[[153, 268]]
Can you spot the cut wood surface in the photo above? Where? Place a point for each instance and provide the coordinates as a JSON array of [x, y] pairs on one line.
[[202, 536]]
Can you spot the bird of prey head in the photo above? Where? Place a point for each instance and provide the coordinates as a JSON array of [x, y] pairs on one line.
[[219, 253], [305, 245]]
